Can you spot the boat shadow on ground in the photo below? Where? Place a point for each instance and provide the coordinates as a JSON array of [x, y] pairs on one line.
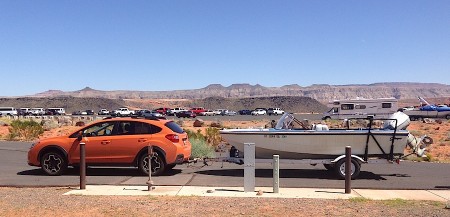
[[98, 171], [290, 173]]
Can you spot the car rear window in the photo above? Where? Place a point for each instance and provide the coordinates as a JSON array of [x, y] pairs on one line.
[[174, 127]]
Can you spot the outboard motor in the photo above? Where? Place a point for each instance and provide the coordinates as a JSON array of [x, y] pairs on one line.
[[402, 121], [419, 145]]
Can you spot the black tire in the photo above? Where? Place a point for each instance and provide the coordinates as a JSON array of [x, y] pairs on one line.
[[158, 164], [339, 168], [53, 163], [170, 166], [329, 167], [447, 117]]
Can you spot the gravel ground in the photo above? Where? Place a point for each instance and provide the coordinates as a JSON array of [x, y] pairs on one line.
[[51, 202]]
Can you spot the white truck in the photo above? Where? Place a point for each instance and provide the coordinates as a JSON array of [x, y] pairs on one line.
[[123, 112], [361, 108], [275, 111]]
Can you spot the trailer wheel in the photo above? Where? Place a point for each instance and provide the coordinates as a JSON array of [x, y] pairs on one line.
[[340, 168]]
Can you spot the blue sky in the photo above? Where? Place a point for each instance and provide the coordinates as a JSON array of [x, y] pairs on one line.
[[175, 45]]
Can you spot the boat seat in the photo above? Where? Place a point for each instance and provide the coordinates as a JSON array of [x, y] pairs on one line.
[[320, 127]]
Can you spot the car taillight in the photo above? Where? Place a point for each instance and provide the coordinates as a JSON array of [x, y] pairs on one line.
[[173, 137]]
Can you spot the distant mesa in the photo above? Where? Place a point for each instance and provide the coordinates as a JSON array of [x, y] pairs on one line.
[[320, 92], [87, 89]]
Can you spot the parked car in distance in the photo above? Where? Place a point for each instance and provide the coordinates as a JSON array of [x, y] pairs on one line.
[[174, 111], [186, 114], [275, 111], [219, 111], [245, 112], [198, 110], [259, 111], [76, 113], [126, 141], [162, 110], [37, 111], [207, 113], [148, 113], [228, 113], [23, 111], [103, 112], [89, 112], [123, 112], [57, 111]]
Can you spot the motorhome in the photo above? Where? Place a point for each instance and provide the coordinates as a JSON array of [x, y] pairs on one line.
[[8, 111], [361, 108]]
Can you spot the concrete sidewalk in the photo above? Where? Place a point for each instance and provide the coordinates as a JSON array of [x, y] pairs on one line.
[[265, 192]]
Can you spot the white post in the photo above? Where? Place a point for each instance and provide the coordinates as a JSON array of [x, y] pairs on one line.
[[276, 173], [249, 167]]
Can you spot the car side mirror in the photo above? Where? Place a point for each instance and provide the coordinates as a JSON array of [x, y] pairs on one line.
[[80, 136]]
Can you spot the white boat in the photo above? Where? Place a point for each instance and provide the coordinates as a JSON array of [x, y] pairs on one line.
[[319, 142]]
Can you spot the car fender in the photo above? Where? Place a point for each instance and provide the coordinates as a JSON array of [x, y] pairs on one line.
[[51, 147], [144, 150]]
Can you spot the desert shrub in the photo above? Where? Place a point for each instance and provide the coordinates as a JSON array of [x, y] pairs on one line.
[[201, 149], [25, 130], [195, 135], [213, 136], [180, 123], [49, 125]]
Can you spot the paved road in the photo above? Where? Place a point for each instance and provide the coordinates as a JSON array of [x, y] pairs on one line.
[[15, 171]]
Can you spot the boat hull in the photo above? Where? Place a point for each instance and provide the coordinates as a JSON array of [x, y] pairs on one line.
[[311, 144]]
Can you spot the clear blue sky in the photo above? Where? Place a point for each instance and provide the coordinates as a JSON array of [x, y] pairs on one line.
[[175, 45]]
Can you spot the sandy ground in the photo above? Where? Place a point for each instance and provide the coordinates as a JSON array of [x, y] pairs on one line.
[[52, 202]]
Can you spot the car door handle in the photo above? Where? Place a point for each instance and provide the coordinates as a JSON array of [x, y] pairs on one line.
[[142, 140], [105, 142]]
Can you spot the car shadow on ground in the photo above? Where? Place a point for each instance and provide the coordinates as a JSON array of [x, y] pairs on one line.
[[290, 173], [99, 171]]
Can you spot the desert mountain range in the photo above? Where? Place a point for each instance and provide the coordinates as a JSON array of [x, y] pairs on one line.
[[319, 92]]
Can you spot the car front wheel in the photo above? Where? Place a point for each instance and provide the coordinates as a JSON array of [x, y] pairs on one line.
[[158, 164], [53, 163]]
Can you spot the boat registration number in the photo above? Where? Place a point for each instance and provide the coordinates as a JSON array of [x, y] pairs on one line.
[[275, 136]]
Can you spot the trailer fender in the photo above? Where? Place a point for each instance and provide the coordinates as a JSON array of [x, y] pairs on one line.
[[360, 160]]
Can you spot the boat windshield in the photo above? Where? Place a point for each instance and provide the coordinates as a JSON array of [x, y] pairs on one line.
[[285, 122]]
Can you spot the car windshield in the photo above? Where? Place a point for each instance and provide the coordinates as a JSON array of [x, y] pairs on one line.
[[174, 127]]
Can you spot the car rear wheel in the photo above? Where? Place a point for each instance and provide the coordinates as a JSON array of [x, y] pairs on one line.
[[158, 164], [53, 163]]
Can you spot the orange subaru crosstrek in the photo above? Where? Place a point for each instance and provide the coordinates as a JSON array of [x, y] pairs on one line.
[[115, 141]]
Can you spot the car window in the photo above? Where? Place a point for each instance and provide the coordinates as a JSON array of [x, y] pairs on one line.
[[126, 128], [144, 128], [174, 127], [99, 129]]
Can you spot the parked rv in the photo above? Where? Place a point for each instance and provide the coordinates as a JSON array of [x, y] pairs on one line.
[[361, 108], [8, 111]]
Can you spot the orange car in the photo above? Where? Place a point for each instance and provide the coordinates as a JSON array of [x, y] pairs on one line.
[[115, 141]]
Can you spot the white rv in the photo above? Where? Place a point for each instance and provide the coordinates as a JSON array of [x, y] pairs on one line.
[[10, 111], [361, 108]]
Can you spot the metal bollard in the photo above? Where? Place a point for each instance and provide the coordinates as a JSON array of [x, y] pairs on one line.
[[348, 166], [150, 182], [249, 167], [82, 165], [276, 173]]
